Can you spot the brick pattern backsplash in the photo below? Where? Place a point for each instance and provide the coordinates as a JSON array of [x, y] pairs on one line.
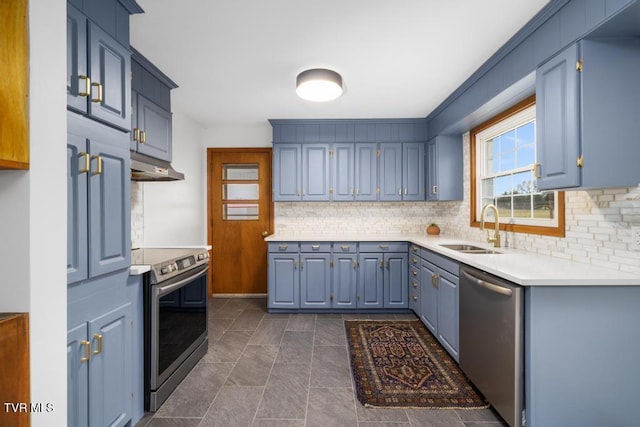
[[597, 223], [137, 214]]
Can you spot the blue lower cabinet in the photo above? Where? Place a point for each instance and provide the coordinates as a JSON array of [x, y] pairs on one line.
[[345, 281], [284, 280], [396, 289], [370, 281], [99, 370], [448, 312], [315, 280], [429, 296]]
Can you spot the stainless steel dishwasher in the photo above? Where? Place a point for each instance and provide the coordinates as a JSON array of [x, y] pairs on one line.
[[491, 340]]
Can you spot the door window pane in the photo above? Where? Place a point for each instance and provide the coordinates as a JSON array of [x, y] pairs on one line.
[[240, 172], [244, 211], [240, 192]]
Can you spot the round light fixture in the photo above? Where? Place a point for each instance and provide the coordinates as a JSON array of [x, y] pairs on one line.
[[319, 85]]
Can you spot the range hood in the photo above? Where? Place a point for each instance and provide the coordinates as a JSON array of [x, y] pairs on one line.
[[145, 168]]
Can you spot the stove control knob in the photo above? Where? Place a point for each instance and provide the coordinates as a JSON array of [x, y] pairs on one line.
[[202, 256], [166, 269]]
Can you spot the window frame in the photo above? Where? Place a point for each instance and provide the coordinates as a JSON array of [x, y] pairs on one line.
[[558, 230]]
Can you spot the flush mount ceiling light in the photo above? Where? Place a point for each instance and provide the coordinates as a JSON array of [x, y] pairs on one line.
[[319, 85]]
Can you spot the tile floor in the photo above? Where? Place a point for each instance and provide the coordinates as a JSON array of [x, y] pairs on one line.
[[285, 370]]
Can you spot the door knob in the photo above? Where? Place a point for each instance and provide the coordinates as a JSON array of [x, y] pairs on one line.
[[265, 233]]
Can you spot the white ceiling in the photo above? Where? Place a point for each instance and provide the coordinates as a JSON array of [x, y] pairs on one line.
[[236, 61]]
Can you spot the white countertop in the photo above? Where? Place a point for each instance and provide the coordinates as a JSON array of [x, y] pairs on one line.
[[522, 268], [138, 269]]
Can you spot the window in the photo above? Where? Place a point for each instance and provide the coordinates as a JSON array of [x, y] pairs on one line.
[[503, 161]]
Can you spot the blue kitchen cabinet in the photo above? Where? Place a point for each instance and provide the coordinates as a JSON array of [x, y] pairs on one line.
[[99, 370], [354, 172], [315, 172], [284, 280], [151, 119], [344, 279], [395, 279], [98, 201], [390, 171], [366, 172], [429, 296], [448, 312], [444, 168], [287, 173], [98, 72], [370, 280], [415, 263], [315, 280], [413, 170], [587, 103]]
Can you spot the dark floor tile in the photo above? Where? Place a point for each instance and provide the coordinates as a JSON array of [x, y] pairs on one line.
[[330, 367], [254, 366], [233, 406], [174, 422], [434, 418], [330, 332], [269, 332], [248, 320], [297, 339], [331, 407], [286, 393], [194, 395], [301, 322], [226, 312], [295, 355], [228, 348]]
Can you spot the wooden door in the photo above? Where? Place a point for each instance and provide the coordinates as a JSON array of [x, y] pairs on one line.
[[240, 216]]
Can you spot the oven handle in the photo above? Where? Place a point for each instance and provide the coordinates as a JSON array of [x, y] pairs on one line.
[[164, 290], [488, 286]]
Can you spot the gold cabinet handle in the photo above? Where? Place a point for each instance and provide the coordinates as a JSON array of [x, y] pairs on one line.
[[87, 85], [143, 137], [98, 171], [301, 265], [434, 189], [384, 247], [406, 191], [99, 86], [414, 283], [295, 265], [536, 170], [415, 298], [399, 191], [98, 337], [345, 247], [136, 134], [283, 247], [414, 260], [381, 264], [434, 280], [87, 350], [315, 247], [87, 162], [355, 264], [415, 273]]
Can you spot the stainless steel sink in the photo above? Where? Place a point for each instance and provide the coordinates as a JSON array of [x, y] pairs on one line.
[[470, 249]]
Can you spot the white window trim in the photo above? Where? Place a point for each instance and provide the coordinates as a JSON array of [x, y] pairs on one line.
[[503, 126]]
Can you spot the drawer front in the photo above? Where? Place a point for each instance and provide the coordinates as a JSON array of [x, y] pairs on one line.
[[283, 247], [414, 250], [345, 247], [414, 259], [414, 275], [315, 247], [383, 247], [443, 262]]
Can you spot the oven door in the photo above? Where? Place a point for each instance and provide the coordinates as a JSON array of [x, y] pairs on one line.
[[178, 322]]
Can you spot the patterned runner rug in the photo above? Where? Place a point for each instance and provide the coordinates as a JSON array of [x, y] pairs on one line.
[[400, 364]]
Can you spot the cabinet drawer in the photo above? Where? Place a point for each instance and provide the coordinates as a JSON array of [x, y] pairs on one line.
[[283, 247], [443, 262], [414, 274], [345, 247], [414, 250], [315, 247], [415, 259], [383, 247]]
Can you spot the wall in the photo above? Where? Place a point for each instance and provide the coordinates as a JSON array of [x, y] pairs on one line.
[[33, 216], [597, 223]]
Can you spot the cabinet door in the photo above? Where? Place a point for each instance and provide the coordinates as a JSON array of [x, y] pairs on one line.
[[366, 171], [557, 121], [345, 276], [448, 312], [76, 208], [315, 172], [413, 170], [109, 212], [134, 135], [284, 281], [110, 373], [315, 280], [154, 123], [432, 170], [287, 176], [390, 171], [445, 165], [77, 377], [396, 286], [77, 76], [370, 281], [110, 71], [342, 172], [429, 296]]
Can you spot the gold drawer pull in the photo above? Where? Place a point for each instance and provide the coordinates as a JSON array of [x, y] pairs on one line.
[[98, 171], [87, 85], [87, 350], [283, 247], [345, 247], [99, 86], [98, 337], [87, 162], [315, 247], [415, 298], [143, 137]]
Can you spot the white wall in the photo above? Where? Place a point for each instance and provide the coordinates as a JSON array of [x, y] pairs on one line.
[[33, 216]]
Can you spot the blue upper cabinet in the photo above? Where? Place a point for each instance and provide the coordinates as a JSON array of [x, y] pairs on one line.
[[588, 101], [402, 171], [315, 172], [287, 175], [413, 179], [98, 72], [343, 172], [390, 171], [366, 172], [444, 168]]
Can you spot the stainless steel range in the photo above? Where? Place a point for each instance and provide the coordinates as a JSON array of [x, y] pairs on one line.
[[175, 317]]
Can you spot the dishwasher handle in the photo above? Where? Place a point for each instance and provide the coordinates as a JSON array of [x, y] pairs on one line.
[[488, 286]]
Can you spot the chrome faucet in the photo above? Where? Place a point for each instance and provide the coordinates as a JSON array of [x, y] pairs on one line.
[[496, 235]]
